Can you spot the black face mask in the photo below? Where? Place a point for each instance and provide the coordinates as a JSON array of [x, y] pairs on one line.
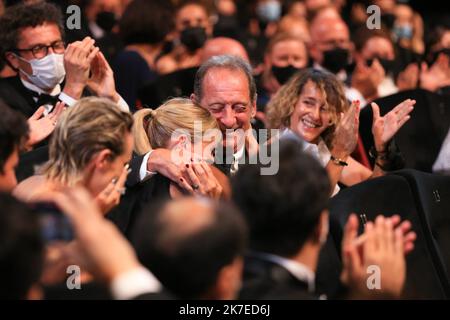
[[388, 65], [106, 20], [283, 74], [388, 20], [193, 38], [434, 55], [335, 60]]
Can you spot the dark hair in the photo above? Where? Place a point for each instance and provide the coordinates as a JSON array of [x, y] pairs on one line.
[[21, 248], [146, 21], [188, 264], [282, 210], [228, 62], [25, 15], [13, 132]]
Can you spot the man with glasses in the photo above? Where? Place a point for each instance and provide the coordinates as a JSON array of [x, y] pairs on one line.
[[32, 44]]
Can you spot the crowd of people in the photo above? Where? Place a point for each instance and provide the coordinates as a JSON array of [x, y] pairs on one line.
[[134, 147]]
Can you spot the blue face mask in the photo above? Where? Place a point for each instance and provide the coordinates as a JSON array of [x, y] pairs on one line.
[[403, 32], [269, 11]]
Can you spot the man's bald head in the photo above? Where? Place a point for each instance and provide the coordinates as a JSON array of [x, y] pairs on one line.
[[328, 33], [222, 45]]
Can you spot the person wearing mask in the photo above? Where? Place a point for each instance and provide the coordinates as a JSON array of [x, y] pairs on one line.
[[192, 28], [48, 72], [285, 55]]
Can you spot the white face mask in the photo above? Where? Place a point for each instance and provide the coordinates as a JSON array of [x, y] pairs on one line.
[[47, 72]]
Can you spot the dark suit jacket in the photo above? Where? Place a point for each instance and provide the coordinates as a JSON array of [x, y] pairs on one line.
[[265, 280], [15, 95]]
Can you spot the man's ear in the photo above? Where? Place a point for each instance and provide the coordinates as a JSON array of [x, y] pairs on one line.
[[193, 98], [229, 280], [12, 60]]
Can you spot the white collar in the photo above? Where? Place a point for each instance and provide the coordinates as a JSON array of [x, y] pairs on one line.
[[297, 269], [56, 90]]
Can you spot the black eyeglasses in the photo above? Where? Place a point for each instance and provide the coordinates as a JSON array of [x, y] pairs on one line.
[[40, 51]]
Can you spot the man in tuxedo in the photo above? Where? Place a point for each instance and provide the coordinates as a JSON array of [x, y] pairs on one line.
[[287, 218], [194, 247], [223, 85], [32, 43]]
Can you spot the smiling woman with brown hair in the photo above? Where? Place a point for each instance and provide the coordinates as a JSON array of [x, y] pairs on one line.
[[313, 106]]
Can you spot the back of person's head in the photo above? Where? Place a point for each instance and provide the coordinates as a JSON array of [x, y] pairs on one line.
[[146, 21], [23, 15], [282, 105], [21, 249], [282, 210], [13, 133], [92, 125], [154, 128], [193, 246]]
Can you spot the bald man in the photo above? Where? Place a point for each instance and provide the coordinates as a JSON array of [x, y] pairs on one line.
[[222, 45], [194, 247], [331, 49]]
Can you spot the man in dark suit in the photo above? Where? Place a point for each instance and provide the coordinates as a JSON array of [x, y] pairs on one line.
[[193, 246], [288, 221], [32, 43]]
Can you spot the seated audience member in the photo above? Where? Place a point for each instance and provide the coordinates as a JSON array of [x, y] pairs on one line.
[[13, 136], [375, 50], [21, 250], [285, 55], [434, 73], [223, 46], [194, 247], [224, 86], [143, 28], [180, 83], [184, 129], [331, 49], [313, 106], [192, 28], [91, 146], [32, 43], [287, 218]]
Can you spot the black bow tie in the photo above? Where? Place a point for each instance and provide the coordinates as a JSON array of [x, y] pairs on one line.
[[45, 99]]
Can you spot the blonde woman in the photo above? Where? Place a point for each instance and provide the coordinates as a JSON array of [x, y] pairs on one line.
[[91, 146], [183, 128], [312, 105]]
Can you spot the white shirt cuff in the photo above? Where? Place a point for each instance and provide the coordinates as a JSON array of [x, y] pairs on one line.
[[134, 283], [123, 105], [68, 100], [143, 172]]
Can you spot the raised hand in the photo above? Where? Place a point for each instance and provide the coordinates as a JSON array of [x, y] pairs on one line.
[[384, 244], [437, 76], [384, 128], [42, 126], [346, 133], [77, 62], [101, 81], [110, 196]]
